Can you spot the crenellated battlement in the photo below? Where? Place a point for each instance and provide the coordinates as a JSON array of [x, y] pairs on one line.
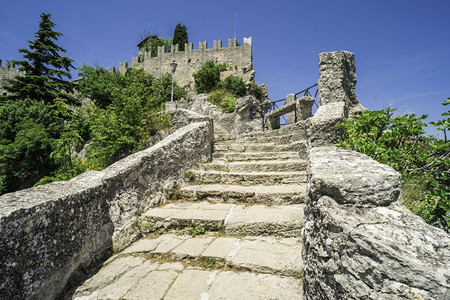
[[237, 57], [10, 64], [9, 71]]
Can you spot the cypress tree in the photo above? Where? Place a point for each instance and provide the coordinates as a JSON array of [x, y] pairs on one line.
[[180, 36], [45, 72]]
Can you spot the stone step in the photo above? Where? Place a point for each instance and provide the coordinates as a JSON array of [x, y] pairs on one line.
[[223, 137], [131, 276], [249, 178], [281, 221], [247, 156], [260, 147], [265, 194], [277, 139], [256, 166], [269, 255]]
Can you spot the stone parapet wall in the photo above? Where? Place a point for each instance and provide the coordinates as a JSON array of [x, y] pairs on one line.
[[49, 232], [359, 241], [238, 58]]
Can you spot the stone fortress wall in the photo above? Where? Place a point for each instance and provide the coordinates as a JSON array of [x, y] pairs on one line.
[[239, 59], [9, 71]]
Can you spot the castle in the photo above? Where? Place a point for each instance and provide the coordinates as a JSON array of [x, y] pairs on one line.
[[9, 71], [237, 57]]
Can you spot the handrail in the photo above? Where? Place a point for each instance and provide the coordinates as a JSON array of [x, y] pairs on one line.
[[274, 104]]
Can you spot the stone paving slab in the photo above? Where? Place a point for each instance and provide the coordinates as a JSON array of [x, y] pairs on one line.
[[231, 285], [273, 194], [285, 221], [260, 254], [152, 280]]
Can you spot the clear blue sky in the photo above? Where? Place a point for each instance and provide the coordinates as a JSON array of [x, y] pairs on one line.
[[402, 47]]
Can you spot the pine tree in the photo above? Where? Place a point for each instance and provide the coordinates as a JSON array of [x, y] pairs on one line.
[[180, 36], [46, 73]]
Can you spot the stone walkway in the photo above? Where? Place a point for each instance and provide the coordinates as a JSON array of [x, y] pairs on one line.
[[233, 234]]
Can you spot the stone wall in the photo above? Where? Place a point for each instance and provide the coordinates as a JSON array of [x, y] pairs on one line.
[[239, 59], [9, 71], [359, 241], [49, 232]]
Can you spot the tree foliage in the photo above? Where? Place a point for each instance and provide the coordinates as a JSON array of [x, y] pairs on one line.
[[207, 77], [42, 131], [180, 36], [132, 117], [46, 73], [399, 141]]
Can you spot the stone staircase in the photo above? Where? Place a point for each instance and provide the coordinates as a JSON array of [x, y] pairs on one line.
[[234, 232]]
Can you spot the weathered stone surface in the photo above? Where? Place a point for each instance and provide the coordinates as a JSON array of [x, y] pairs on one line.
[[230, 285], [190, 284], [283, 221], [246, 117], [273, 194], [351, 177], [320, 127], [360, 242], [373, 253], [337, 78], [48, 232]]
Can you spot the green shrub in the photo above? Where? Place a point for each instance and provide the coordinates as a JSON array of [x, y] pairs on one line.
[[399, 141], [207, 77], [234, 85], [223, 99]]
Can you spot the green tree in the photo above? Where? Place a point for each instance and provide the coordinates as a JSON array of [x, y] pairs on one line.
[[133, 113], [180, 36], [27, 130], [46, 73]]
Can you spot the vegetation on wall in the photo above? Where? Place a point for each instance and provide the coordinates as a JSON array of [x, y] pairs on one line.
[[399, 141], [223, 93]]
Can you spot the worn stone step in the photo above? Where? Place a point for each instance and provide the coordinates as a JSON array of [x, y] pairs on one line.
[[277, 139], [131, 276], [249, 178], [261, 147], [256, 166], [256, 254], [223, 137], [266, 194], [282, 220], [248, 156]]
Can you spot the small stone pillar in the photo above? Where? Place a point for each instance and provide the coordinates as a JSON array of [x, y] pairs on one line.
[[337, 78], [304, 110], [274, 122], [291, 117]]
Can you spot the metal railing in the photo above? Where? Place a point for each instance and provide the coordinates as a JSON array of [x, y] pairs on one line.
[[309, 91]]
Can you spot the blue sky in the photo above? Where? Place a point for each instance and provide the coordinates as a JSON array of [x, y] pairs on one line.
[[402, 47]]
